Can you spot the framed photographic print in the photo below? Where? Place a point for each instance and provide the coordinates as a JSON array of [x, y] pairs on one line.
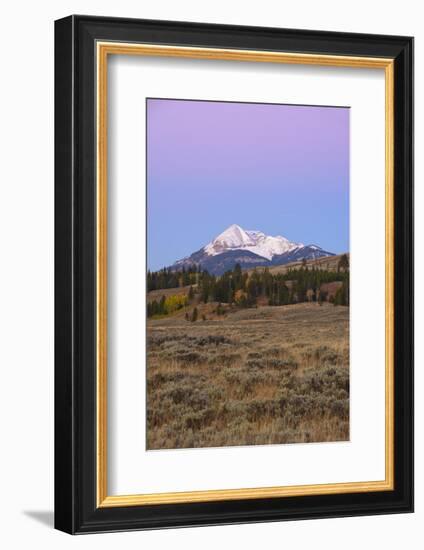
[[234, 274]]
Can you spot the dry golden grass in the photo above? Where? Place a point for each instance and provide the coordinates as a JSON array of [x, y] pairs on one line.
[[265, 375]]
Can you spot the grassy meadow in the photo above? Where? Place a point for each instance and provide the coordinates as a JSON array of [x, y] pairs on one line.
[[248, 376]]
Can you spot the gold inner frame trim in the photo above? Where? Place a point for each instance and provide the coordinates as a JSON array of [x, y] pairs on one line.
[[104, 49]]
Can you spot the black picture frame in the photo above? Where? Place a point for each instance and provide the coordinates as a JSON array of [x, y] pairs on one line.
[[76, 510]]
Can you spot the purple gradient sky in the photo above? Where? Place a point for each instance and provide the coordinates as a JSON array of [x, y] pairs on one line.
[[280, 169]]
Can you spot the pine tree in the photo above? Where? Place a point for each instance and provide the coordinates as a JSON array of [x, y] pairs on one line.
[[343, 264], [237, 275], [194, 315]]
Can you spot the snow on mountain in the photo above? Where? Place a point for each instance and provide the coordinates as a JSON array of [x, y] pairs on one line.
[[237, 238], [249, 249], [234, 237]]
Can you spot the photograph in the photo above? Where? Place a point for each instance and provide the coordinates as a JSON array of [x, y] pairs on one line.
[[247, 273]]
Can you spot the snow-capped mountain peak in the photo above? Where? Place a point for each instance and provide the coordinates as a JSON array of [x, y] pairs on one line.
[[237, 238], [249, 249], [233, 237]]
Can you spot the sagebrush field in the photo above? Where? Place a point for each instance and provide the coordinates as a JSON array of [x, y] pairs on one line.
[[248, 376]]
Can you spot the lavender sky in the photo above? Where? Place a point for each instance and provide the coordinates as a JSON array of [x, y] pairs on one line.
[[280, 169]]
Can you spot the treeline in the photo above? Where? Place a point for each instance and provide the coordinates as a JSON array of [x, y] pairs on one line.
[[168, 278], [304, 284], [296, 285]]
